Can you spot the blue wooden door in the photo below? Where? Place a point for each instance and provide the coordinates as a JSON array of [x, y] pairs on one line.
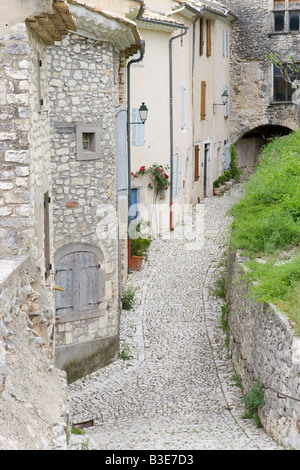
[[133, 208]]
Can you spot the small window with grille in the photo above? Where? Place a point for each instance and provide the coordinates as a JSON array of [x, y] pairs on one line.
[[88, 141]]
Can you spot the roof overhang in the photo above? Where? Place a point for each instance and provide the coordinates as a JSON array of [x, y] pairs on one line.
[[51, 27], [101, 25], [209, 7], [146, 18]]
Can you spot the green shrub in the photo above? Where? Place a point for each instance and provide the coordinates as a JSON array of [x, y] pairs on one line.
[[128, 299], [124, 353], [227, 175], [235, 172], [222, 179], [253, 401], [139, 246]]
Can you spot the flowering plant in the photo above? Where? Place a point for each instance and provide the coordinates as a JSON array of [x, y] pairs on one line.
[[160, 180]]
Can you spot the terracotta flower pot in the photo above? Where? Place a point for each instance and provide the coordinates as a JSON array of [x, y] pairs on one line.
[[136, 262], [217, 191]]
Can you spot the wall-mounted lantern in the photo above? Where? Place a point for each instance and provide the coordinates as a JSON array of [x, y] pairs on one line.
[[224, 97], [143, 110]]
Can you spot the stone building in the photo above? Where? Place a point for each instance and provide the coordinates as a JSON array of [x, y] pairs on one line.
[[33, 398], [25, 179], [86, 89], [261, 103], [62, 100]]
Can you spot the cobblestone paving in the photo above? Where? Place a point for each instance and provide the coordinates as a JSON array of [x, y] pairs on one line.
[[176, 392]]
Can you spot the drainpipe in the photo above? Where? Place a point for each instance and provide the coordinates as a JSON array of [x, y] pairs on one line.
[[134, 61], [171, 119]]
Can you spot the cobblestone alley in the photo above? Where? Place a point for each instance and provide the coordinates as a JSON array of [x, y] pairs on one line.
[[176, 391]]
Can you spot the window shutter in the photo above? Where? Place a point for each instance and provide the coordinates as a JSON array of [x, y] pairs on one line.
[[176, 174], [225, 43], [196, 162], [78, 274], [203, 101], [183, 106], [138, 138], [208, 38], [201, 37]]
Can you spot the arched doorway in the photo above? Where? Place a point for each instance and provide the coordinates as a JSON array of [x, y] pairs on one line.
[[250, 144], [84, 337]]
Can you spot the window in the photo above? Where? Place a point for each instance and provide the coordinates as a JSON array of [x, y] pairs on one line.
[[286, 15], [183, 106], [203, 101], [294, 21], [279, 21], [138, 129], [88, 141], [225, 43], [283, 90]]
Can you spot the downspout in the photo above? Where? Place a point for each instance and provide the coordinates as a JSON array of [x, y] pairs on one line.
[[134, 61], [171, 119]]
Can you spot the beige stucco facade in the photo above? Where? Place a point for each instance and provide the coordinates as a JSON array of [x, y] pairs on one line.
[[211, 133]]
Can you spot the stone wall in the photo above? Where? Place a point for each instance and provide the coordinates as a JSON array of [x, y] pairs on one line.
[[251, 93], [34, 406], [14, 146], [265, 348], [24, 144], [84, 91]]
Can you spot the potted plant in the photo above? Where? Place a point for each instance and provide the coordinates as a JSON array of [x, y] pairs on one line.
[[217, 187], [139, 249]]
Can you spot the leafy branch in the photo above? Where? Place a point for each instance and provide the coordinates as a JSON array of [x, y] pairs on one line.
[[290, 71]]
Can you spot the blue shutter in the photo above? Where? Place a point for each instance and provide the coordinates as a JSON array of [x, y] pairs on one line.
[[138, 138], [225, 43], [176, 174]]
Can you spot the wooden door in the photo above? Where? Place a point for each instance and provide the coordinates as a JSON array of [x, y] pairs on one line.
[[197, 152], [205, 170]]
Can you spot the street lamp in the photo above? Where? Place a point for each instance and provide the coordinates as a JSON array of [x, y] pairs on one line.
[[224, 97], [143, 111]]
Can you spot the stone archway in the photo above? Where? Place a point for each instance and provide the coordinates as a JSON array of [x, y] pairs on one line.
[[249, 145]]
